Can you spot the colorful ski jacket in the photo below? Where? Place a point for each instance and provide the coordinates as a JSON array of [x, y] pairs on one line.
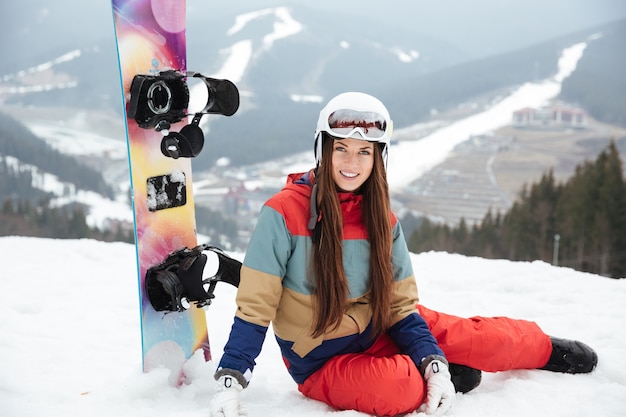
[[275, 288]]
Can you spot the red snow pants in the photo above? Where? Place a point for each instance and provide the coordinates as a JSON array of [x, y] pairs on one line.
[[383, 382]]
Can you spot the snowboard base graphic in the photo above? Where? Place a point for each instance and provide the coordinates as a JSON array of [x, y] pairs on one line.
[[151, 45]]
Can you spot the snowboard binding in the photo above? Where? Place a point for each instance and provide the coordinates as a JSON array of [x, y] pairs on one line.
[[177, 283], [158, 101]]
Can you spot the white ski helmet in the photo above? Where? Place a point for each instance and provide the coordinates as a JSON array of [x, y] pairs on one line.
[[357, 116]]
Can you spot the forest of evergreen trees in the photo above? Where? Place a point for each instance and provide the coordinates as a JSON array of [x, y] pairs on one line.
[[579, 224], [23, 218]]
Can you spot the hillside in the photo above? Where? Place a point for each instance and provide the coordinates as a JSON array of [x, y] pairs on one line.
[[29, 166], [599, 83], [488, 172]]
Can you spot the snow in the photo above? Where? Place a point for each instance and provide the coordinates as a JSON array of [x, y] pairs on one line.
[[69, 56], [284, 27], [80, 141], [37, 88], [235, 66], [404, 56], [46, 66], [306, 98], [243, 19], [70, 345]]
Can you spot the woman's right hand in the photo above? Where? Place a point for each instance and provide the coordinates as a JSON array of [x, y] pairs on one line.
[[225, 403]]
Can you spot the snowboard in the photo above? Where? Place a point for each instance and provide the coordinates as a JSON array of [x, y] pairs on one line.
[[151, 45]]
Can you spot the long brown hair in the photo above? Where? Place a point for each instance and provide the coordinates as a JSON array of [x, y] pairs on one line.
[[331, 286]]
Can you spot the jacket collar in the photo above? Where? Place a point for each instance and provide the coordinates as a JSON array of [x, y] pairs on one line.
[[297, 180]]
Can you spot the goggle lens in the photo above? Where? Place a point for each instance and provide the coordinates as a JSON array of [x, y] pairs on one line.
[[343, 123]]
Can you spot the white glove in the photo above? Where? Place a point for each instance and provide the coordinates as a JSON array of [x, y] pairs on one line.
[[225, 403], [440, 393]]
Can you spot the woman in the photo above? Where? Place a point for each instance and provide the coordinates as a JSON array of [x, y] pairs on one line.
[[328, 266]]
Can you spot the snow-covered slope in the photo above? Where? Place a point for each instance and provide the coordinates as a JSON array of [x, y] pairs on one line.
[[70, 345]]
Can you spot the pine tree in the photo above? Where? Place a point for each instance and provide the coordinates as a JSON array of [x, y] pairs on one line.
[[610, 217], [574, 212], [7, 206]]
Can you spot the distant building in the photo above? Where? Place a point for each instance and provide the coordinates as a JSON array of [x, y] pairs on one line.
[[550, 117]]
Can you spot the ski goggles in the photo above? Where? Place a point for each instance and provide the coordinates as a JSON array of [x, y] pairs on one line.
[[372, 126]]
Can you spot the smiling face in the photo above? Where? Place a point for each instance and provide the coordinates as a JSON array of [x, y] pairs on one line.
[[352, 161]]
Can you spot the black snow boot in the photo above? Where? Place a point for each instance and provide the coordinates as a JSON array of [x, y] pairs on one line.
[[571, 357], [464, 378]]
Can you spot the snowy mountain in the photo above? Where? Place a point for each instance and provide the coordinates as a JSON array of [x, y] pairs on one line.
[[70, 343], [286, 59]]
